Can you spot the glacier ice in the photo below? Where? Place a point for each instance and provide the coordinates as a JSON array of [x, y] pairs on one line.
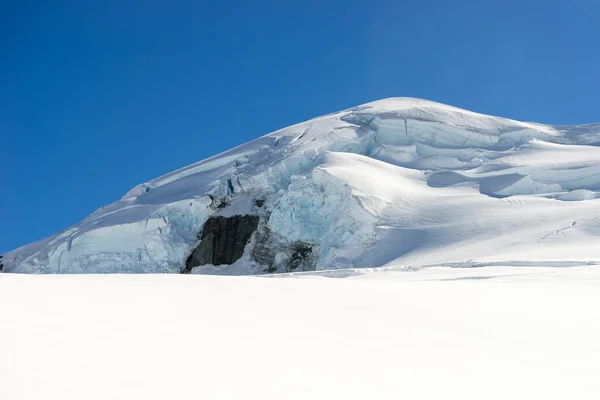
[[398, 181]]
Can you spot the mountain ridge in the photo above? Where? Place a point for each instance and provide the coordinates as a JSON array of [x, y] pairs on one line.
[[398, 181]]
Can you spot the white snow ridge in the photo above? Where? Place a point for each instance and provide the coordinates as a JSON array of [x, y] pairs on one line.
[[400, 182]]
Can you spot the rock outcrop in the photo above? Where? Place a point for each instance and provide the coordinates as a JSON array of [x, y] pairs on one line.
[[301, 258], [223, 240], [278, 256]]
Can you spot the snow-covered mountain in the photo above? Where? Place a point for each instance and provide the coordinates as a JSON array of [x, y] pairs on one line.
[[399, 182]]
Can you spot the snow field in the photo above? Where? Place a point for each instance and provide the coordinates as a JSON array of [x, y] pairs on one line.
[[459, 333]]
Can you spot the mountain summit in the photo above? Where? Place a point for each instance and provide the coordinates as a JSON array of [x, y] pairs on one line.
[[397, 182]]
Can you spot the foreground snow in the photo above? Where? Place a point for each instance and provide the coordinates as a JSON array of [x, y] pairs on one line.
[[455, 333], [394, 182]]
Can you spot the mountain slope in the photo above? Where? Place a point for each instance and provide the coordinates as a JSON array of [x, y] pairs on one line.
[[400, 182]]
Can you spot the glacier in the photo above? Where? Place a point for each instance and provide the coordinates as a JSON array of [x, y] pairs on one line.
[[400, 182]]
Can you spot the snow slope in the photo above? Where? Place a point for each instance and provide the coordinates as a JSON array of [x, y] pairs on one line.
[[439, 333], [397, 182]]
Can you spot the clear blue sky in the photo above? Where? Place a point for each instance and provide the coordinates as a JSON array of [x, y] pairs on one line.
[[98, 96]]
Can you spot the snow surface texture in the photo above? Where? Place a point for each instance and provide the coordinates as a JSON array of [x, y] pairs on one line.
[[397, 182], [493, 333]]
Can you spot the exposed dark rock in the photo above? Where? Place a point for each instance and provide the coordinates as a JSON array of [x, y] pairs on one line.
[[259, 203], [263, 252], [1, 265], [220, 203], [223, 240], [277, 257], [301, 255]]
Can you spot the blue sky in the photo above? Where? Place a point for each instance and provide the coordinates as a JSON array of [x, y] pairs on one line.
[[98, 96]]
